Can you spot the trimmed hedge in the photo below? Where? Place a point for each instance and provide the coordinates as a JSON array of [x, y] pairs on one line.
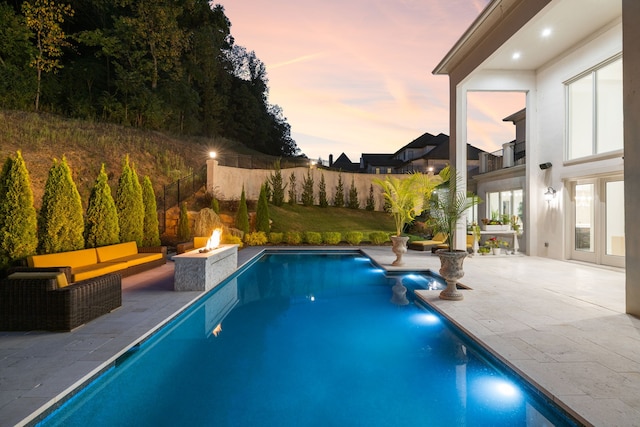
[[276, 238], [353, 237], [331, 237], [293, 237], [313, 237], [378, 237]]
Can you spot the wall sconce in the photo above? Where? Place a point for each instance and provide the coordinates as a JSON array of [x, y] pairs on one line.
[[550, 194]]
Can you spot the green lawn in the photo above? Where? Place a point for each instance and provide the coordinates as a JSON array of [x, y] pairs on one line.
[[314, 218]]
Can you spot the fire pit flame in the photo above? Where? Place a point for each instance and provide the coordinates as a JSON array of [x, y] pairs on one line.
[[213, 242]]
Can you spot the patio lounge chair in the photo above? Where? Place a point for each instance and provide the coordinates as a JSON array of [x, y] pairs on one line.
[[425, 245]]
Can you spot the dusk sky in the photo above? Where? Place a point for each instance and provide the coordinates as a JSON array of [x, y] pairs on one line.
[[354, 76]]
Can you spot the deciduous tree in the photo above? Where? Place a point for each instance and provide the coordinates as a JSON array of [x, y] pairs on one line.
[[45, 19]]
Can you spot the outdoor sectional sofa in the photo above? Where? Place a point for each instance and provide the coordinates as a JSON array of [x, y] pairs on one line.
[[124, 258], [59, 292]]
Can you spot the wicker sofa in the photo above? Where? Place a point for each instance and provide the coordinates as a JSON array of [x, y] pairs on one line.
[[59, 292], [38, 300]]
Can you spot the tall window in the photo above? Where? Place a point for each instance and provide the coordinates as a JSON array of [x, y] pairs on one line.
[[594, 119], [505, 203]]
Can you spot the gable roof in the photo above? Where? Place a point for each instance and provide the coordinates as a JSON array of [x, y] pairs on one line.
[[344, 163]]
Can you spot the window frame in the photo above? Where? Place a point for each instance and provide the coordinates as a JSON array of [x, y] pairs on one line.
[[593, 73]]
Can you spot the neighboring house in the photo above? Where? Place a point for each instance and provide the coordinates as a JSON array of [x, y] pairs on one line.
[[379, 163], [423, 154], [431, 153], [343, 163], [566, 56], [501, 182]]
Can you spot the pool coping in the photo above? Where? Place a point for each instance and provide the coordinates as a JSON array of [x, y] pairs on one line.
[[597, 400]]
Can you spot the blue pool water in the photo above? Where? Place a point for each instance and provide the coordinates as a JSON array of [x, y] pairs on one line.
[[308, 340]]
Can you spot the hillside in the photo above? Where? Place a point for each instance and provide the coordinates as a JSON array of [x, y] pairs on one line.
[[86, 145]]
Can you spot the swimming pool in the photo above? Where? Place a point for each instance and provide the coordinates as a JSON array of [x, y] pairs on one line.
[[306, 339]]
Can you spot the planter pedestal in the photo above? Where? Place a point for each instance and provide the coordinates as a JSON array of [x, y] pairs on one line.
[[399, 296], [451, 270], [399, 248]]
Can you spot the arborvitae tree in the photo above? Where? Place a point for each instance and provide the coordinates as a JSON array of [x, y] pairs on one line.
[[215, 205], [322, 193], [371, 200], [101, 222], [338, 200], [307, 189], [130, 205], [293, 198], [184, 233], [267, 189], [61, 223], [242, 216], [353, 196], [277, 186], [18, 220], [262, 211], [150, 230]]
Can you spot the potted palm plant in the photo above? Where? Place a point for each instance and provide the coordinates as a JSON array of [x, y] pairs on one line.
[[448, 207], [405, 199]]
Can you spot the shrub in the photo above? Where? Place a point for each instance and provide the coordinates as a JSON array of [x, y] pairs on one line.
[[313, 237], [322, 193], [331, 237], [61, 221], [293, 237], [277, 186], [150, 231], [353, 202], [184, 233], [276, 238], [338, 200], [371, 201], [257, 238], [262, 211], [101, 222], [242, 216], [18, 219], [378, 237], [206, 221], [130, 205], [353, 237], [215, 205], [293, 198], [230, 239], [307, 189]]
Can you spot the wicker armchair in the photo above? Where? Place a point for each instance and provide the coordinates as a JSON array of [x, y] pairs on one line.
[[38, 303]]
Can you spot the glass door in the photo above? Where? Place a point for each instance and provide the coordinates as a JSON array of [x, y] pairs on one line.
[[598, 221], [584, 222]]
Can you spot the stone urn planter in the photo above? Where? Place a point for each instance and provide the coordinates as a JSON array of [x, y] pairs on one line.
[[399, 248], [451, 270]]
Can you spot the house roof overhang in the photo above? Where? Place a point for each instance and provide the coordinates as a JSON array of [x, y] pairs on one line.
[[506, 27]]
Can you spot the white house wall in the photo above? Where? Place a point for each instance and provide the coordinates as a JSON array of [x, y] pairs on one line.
[[550, 220]]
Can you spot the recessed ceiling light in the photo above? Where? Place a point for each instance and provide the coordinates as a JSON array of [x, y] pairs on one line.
[[546, 32], [516, 55]]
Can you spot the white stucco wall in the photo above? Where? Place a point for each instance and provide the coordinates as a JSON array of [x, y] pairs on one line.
[[226, 183], [551, 221]]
